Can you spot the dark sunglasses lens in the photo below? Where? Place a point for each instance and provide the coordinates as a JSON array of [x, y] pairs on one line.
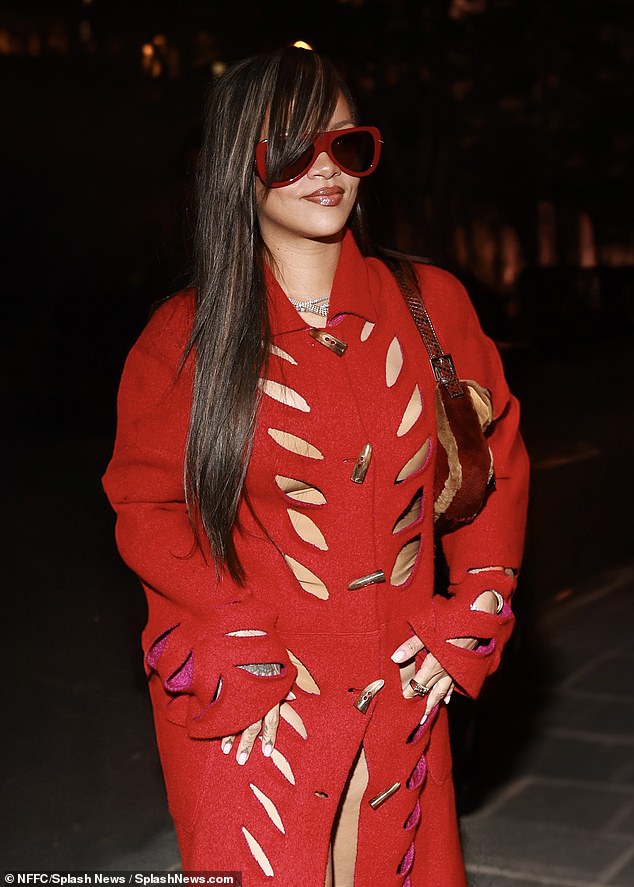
[[296, 167], [354, 151]]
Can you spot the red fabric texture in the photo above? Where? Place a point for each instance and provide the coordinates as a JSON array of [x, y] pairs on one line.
[[339, 640]]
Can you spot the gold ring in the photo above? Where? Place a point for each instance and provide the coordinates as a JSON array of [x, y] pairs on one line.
[[419, 689]]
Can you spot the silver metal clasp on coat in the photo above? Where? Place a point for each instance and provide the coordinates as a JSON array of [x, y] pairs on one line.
[[373, 578], [362, 702], [362, 464], [382, 797]]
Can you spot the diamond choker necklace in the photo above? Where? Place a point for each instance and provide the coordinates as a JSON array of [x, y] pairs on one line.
[[312, 306]]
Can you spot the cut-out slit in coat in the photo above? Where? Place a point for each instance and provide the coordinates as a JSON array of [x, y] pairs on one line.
[[416, 777], [307, 529], [258, 853], [393, 362], [246, 633], [405, 562], [411, 514], [299, 490], [279, 352], [271, 810], [307, 579], [414, 818], [282, 765], [412, 412], [288, 713], [416, 462], [407, 862], [295, 444], [304, 680], [284, 394], [368, 326]]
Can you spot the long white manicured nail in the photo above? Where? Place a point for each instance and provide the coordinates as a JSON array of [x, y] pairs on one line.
[[242, 757], [398, 656]]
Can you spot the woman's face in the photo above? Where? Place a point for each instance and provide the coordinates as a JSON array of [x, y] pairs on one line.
[[316, 206]]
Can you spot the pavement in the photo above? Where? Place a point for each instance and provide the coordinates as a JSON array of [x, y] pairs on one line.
[[565, 818]]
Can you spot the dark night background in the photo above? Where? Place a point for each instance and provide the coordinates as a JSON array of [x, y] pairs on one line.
[[508, 159]]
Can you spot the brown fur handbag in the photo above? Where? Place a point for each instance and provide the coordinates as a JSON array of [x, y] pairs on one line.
[[464, 462]]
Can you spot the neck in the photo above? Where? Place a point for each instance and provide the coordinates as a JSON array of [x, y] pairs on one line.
[[305, 268]]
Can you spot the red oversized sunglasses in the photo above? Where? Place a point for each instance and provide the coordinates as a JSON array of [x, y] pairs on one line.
[[355, 151]]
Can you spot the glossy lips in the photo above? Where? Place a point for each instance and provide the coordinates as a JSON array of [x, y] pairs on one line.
[[330, 196]]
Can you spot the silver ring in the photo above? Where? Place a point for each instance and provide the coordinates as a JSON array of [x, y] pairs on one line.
[[419, 689]]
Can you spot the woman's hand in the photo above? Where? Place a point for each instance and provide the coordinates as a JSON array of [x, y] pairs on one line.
[[431, 674], [268, 726], [247, 738]]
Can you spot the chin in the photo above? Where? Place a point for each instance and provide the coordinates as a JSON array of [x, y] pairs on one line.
[[329, 229], [329, 234]]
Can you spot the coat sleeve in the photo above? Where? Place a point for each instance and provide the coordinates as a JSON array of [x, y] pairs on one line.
[[201, 628], [496, 537]]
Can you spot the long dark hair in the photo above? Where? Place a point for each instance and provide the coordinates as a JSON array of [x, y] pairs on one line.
[[296, 91]]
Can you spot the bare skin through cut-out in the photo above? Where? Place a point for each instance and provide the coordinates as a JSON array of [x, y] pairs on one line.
[[411, 513], [508, 570], [284, 394], [282, 765], [405, 561], [295, 444], [300, 490], [307, 529], [307, 579], [258, 853], [246, 633], [279, 352], [368, 326], [269, 806], [393, 362], [304, 679], [459, 642], [415, 463], [412, 412], [288, 713]]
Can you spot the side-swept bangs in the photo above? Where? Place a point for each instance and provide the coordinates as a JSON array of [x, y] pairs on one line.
[[306, 92]]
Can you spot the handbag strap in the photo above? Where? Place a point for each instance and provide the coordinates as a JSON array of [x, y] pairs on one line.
[[442, 363]]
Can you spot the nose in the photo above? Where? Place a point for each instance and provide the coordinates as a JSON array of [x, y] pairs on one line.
[[323, 165]]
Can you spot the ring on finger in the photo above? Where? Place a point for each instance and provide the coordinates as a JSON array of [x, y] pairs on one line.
[[419, 689]]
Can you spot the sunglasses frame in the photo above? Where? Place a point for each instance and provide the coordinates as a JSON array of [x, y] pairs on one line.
[[322, 142]]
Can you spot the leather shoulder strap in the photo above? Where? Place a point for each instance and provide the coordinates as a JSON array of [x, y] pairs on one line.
[[442, 363]]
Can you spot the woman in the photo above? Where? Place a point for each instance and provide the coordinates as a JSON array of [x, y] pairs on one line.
[[273, 480]]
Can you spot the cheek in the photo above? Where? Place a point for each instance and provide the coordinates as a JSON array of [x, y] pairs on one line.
[[353, 186], [272, 205]]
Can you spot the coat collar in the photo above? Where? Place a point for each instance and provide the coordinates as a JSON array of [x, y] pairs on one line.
[[351, 292]]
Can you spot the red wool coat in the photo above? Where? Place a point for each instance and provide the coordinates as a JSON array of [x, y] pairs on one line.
[[302, 605]]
